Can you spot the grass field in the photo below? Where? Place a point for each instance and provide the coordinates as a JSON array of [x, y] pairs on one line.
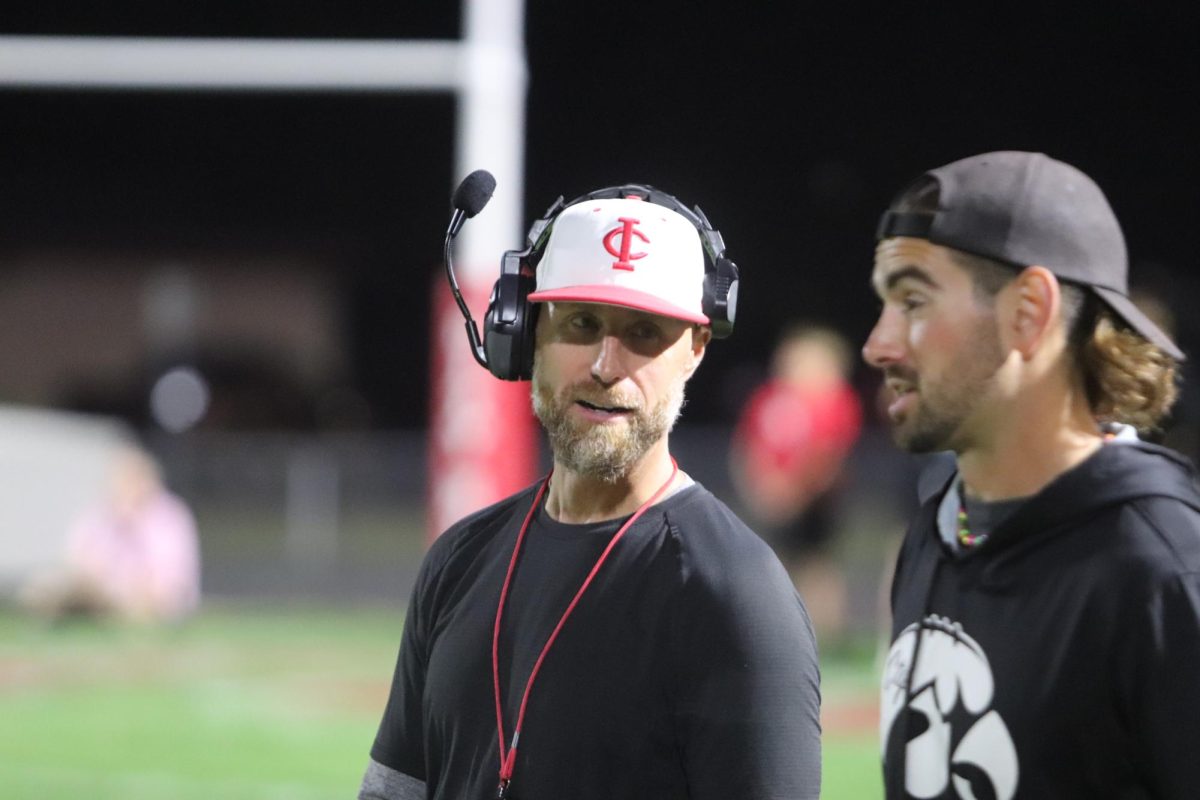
[[249, 703]]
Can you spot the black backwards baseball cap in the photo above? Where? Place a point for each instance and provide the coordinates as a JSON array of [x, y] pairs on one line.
[[1026, 209]]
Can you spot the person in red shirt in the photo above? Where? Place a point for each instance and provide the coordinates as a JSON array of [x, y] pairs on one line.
[[788, 460]]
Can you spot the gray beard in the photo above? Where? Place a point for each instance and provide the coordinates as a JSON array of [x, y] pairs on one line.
[[605, 452]]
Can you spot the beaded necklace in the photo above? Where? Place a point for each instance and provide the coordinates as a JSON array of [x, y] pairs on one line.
[[965, 537]]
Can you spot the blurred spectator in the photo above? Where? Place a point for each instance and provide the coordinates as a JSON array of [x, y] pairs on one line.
[[134, 557], [788, 457]]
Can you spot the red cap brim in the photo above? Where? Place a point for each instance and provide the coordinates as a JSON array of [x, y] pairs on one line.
[[618, 296]]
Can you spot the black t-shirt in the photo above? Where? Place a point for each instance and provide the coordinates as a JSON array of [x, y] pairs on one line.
[[688, 669]]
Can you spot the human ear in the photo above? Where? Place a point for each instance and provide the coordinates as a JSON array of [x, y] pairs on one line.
[[1034, 315], [701, 336]]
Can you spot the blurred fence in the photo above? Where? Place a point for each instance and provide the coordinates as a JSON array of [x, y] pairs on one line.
[[287, 516], [341, 517]]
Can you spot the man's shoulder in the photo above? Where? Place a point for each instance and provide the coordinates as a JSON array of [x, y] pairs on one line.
[[1151, 494], [698, 510], [1164, 532], [483, 524], [733, 587], [713, 540], [501, 509]]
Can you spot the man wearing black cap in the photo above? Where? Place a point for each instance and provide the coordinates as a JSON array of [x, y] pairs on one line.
[[1046, 601]]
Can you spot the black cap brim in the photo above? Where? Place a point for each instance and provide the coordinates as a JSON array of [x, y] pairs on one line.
[[1129, 312]]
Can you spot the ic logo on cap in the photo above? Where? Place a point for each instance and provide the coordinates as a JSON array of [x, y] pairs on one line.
[[626, 231]]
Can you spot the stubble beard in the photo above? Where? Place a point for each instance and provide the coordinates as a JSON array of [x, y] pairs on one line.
[[605, 451], [942, 408]]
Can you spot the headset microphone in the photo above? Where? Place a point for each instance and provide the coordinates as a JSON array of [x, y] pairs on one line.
[[469, 199]]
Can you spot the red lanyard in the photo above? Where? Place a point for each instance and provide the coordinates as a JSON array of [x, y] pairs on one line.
[[508, 758]]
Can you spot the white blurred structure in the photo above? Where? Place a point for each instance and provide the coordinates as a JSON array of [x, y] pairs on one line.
[[52, 466], [476, 457]]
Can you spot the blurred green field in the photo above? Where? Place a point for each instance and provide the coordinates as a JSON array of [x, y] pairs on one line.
[[252, 703]]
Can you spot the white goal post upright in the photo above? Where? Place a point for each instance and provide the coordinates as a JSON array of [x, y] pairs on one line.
[[482, 442]]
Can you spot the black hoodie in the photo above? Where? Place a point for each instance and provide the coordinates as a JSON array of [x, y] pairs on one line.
[[1060, 658]]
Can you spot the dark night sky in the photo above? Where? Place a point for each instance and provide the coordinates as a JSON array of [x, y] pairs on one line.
[[792, 124]]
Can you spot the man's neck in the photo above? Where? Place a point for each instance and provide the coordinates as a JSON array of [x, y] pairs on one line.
[[1028, 448], [580, 499]]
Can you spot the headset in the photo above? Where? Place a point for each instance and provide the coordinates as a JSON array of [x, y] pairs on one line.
[[506, 349]]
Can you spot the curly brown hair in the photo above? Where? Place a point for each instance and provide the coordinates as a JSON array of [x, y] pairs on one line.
[[1127, 379]]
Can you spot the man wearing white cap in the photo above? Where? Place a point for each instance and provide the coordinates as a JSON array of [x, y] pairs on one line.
[[614, 631]]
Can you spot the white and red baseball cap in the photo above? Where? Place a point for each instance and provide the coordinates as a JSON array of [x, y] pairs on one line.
[[624, 252]]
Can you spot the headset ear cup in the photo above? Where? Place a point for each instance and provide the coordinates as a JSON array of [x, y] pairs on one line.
[[720, 296], [508, 329], [498, 326], [493, 340], [528, 334]]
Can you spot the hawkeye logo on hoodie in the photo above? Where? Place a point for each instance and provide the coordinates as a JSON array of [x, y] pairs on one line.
[[950, 736]]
